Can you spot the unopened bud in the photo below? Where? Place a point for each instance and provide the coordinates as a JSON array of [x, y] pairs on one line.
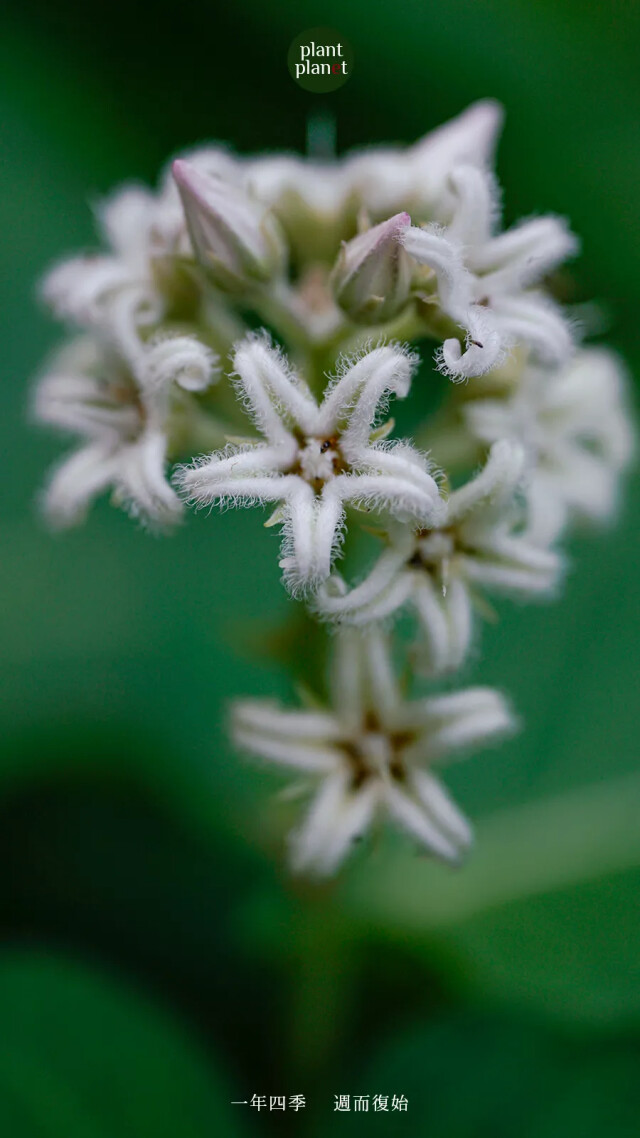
[[372, 277], [235, 240]]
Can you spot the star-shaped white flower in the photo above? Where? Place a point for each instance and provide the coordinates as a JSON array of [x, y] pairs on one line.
[[124, 417], [317, 458], [146, 244], [371, 753], [576, 429], [487, 283], [436, 571]]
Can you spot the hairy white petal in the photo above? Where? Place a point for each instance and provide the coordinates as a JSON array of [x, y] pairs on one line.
[[470, 718], [441, 807], [435, 711], [241, 474], [495, 483], [272, 391], [590, 484], [405, 498], [298, 756], [382, 605], [429, 246], [352, 400], [380, 677], [76, 288], [311, 532], [400, 460], [337, 817], [481, 277], [270, 719], [485, 343], [140, 480], [75, 482], [421, 825], [548, 509], [183, 360], [515, 565], [485, 346], [123, 218], [470, 138], [523, 255], [347, 679], [83, 404], [592, 392], [459, 612], [434, 626], [445, 624], [536, 320], [511, 578], [378, 589], [476, 207]]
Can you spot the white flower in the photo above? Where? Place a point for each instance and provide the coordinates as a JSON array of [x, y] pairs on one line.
[[316, 459], [93, 391], [485, 346], [322, 203], [576, 428], [436, 571], [326, 196], [144, 274], [372, 753], [484, 278], [468, 140]]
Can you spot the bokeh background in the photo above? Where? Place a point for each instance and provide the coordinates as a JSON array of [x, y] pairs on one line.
[[156, 961]]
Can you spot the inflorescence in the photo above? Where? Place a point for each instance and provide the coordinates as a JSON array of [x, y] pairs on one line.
[[344, 265]]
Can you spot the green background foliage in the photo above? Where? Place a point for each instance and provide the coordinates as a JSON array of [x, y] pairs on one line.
[[158, 962]]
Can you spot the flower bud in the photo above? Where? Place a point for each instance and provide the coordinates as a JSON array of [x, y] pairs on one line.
[[372, 277], [236, 240]]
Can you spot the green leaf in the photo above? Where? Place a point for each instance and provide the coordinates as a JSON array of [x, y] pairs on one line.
[[82, 1056]]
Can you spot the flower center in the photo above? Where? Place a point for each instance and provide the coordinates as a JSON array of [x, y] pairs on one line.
[[121, 393], [434, 548], [319, 460], [377, 753]]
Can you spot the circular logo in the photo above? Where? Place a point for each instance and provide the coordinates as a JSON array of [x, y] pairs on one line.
[[320, 60]]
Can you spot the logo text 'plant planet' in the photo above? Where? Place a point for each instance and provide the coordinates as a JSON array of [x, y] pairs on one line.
[[320, 60]]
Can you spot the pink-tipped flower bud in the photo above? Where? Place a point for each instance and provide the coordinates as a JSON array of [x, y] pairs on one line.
[[235, 239], [372, 276]]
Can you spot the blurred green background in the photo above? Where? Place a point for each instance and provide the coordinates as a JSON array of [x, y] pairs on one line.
[[155, 964]]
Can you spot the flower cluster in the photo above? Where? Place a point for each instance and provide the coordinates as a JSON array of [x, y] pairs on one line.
[[342, 266]]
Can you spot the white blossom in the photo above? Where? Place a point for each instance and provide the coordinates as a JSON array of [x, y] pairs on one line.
[[576, 427], [371, 753], [146, 241], [381, 180], [485, 278], [92, 390], [408, 240], [437, 571], [317, 458], [485, 347]]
